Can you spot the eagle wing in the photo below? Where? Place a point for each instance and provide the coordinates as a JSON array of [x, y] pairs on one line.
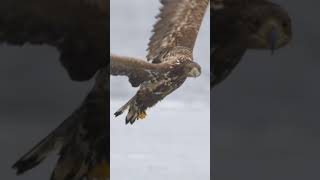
[[225, 56], [77, 28], [138, 71], [178, 25], [225, 59], [221, 4], [216, 4]]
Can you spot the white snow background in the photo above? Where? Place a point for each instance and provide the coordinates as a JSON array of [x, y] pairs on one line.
[[173, 142]]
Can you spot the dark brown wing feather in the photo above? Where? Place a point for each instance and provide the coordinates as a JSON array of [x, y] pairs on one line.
[[138, 71], [77, 28], [222, 4], [225, 60], [178, 25]]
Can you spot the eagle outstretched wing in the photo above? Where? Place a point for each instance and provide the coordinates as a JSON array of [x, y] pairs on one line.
[[239, 25], [178, 25], [81, 140], [137, 70], [77, 28]]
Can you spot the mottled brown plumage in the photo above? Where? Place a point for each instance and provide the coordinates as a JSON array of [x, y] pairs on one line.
[[170, 51], [137, 70], [239, 25]]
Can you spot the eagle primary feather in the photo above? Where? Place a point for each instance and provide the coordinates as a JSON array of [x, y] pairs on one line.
[[239, 25], [170, 51], [178, 25]]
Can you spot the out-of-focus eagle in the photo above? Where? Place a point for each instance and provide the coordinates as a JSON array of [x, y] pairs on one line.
[[170, 54], [239, 25], [81, 140], [78, 29]]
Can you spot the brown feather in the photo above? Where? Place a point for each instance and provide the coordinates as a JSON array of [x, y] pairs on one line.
[[178, 25], [138, 71]]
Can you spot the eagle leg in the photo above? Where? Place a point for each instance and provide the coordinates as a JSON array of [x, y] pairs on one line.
[[100, 172], [142, 115]]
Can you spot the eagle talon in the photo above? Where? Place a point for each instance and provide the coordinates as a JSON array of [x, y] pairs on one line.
[[142, 115], [101, 171]]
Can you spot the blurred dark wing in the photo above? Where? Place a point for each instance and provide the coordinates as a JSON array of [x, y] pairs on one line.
[[77, 28], [222, 4], [178, 25], [216, 4], [137, 70], [225, 59], [227, 49]]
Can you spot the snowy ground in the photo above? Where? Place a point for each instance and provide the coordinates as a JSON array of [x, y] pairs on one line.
[[172, 143]]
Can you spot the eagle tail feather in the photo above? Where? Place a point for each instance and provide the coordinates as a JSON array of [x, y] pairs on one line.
[[134, 114], [70, 167], [124, 107], [36, 155], [53, 142]]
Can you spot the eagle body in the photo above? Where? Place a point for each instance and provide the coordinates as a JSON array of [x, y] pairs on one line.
[[177, 67], [156, 89], [239, 25]]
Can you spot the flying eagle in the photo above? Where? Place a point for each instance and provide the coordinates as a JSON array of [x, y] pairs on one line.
[[239, 25], [77, 29], [81, 140], [170, 59]]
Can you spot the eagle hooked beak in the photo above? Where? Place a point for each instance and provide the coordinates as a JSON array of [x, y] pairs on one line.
[[273, 38], [195, 72]]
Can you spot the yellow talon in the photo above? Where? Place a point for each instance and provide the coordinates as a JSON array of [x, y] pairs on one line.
[[100, 172], [142, 115]]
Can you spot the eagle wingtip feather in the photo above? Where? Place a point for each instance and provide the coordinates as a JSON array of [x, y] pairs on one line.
[[118, 113]]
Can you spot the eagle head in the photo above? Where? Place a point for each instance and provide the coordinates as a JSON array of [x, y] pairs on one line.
[[268, 27], [192, 69]]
